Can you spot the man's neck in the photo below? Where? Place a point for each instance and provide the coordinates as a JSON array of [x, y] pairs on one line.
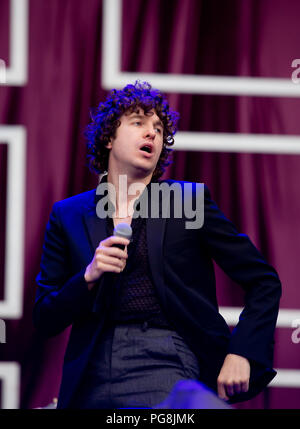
[[123, 183]]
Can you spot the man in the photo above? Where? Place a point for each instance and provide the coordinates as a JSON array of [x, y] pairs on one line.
[[145, 316]]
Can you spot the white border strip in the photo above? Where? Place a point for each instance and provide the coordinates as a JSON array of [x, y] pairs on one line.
[[16, 73], [227, 142], [113, 77], [111, 42], [2, 71], [286, 378], [285, 319], [10, 373], [15, 137], [197, 84]]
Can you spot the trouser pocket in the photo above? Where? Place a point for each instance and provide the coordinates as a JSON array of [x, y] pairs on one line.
[[188, 359]]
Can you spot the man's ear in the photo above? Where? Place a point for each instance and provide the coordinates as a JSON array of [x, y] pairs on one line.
[[109, 145]]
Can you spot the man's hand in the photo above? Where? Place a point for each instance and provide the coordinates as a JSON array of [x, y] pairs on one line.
[[107, 258], [234, 376]]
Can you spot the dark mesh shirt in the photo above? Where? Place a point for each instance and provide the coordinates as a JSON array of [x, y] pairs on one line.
[[136, 294]]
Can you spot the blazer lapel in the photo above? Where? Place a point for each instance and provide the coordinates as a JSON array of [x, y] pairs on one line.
[[95, 226], [96, 232], [155, 235], [155, 239]]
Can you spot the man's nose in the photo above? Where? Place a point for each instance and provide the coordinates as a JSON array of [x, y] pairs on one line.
[[150, 134]]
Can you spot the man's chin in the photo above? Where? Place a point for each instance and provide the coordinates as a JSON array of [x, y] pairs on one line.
[[143, 171]]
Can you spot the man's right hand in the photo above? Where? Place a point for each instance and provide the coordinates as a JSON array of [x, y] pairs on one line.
[[107, 258]]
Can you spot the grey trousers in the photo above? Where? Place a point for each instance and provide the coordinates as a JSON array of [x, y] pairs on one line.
[[135, 366]]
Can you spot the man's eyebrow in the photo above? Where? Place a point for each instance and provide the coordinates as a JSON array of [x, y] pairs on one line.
[[135, 115]]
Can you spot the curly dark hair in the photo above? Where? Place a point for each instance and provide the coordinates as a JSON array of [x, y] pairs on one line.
[[106, 120]]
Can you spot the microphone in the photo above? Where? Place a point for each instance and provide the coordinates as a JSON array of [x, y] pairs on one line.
[[122, 230]]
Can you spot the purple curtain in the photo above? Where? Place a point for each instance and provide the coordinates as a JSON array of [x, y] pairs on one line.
[[259, 192]]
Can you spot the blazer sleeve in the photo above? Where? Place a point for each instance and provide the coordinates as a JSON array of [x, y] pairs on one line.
[[61, 296], [253, 336]]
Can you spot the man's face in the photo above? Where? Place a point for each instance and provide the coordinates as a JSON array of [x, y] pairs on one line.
[[137, 146]]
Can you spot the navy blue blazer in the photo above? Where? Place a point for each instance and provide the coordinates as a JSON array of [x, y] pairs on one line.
[[181, 264]]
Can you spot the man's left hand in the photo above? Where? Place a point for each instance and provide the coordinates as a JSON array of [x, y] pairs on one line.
[[234, 376]]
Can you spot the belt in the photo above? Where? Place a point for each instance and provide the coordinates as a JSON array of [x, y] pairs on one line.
[[145, 323]]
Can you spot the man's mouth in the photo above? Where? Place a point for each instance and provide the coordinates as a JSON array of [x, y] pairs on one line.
[[146, 148]]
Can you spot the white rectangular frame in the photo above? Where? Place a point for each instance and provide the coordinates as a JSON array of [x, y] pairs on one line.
[[237, 142], [286, 378], [113, 77], [10, 374], [15, 137], [17, 72], [285, 319], [2, 71]]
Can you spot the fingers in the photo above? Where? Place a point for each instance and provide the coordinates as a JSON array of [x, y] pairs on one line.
[[234, 376], [236, 388], [108, 255], [228, 388], [107, 258], [111, 251], [222, 391], [245, 386], [114, 239], [110, 263], [110, 259]]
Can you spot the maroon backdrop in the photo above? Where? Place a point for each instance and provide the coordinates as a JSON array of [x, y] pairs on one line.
[[258, 192]]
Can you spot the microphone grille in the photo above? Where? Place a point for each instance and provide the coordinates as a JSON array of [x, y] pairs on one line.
[[123, 230]]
